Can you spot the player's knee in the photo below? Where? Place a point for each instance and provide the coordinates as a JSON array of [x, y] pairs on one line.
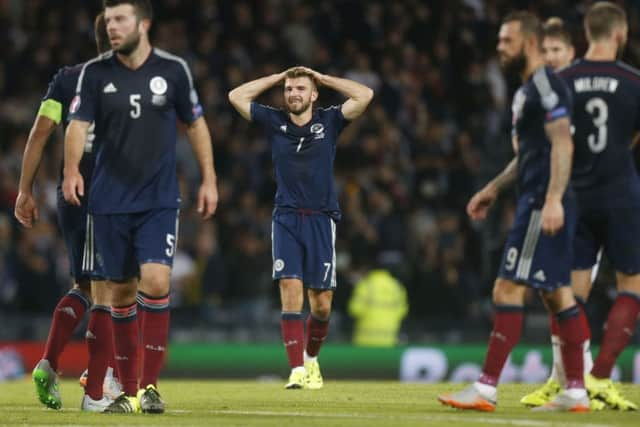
[[122, 293], [84, 286], [507, 293], [628, 283], [560, 299], [155, 285], [321, 311], [291, 292], [320, 304], [100, 293]]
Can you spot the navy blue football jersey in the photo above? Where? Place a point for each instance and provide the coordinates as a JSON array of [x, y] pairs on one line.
[[135, 114], [55, 105], [606, 116], [543, 98], [303, 157]]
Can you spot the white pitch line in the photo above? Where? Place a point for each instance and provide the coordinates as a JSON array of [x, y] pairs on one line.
[[428, 418], [489, 419]]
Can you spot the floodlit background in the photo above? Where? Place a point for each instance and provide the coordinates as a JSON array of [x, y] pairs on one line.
[[437, 130]]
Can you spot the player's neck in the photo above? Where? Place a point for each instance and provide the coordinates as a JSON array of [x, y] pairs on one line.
[[533, 63], [601, 51], [301, 119], [136, 58]]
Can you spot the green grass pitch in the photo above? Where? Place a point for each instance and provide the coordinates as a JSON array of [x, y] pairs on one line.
[[340, 403]]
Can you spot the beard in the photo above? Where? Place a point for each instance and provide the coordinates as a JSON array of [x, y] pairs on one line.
[[304, 106], [513, 67], [129, 44]]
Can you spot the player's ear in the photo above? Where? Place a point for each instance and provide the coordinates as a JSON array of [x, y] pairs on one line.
[[314, 94], [531, 43], [144, 25], [619, 35]]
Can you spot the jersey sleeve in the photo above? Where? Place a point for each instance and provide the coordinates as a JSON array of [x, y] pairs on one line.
[[52, 102], [187, 103], [83, 106], [262, 114], [338, 119], [554, 95]]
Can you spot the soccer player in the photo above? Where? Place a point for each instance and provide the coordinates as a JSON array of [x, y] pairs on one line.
[[606, 114], [538, 251], [557, 47], [303, 147], [134, 94], [558, 52], [72, 219]]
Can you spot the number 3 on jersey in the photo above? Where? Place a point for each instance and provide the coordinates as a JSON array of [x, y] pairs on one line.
[[598, 108], [134, 100]]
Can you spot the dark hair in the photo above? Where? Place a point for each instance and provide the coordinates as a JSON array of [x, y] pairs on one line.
[[143, 8], [529, 23], [554, 27], [602, 18], [100, 33]]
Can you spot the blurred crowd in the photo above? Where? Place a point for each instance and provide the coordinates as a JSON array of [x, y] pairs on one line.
[[437, 130]]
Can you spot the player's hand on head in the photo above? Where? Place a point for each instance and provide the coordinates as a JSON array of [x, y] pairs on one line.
[[311, 71], [207, 200], [73, 187], [26, 209], [552, 216]]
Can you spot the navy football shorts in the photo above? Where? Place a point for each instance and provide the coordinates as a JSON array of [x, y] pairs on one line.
[[72, 221], [533, 258], [614, 229], [117, 244], [303, 247]]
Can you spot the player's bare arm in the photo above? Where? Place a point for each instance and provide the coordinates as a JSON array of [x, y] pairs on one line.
[[242, 96], [26, 210], [479, 205], [74, 140], [359, 96], [481, 202], [200, 140], [559, 134]]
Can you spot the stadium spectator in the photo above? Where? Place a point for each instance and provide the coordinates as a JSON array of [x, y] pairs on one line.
[[378, 304], [439, 79]]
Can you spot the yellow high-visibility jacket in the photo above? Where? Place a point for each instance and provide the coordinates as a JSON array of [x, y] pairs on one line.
[[378, 304]]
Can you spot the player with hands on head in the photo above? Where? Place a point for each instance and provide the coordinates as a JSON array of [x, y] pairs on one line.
[[303, 146]]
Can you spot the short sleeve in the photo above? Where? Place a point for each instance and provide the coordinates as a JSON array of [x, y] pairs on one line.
[[52, 102], [187, 103], [83, 106], [337, 118], [262, 114], [554, 95]]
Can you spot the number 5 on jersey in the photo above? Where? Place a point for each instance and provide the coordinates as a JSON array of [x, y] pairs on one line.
[[134, 100], [171, 245]]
